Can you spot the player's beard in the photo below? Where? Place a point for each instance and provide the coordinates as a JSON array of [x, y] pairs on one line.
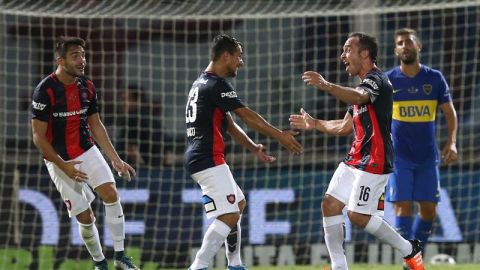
[[72, 71], [409, 58], [232, 73]]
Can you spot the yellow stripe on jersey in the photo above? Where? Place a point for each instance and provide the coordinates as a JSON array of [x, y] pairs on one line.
[[414, 110]]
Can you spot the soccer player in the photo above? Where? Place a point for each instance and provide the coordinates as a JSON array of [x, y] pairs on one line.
[[65, 121], [359, 180], [418, 90], [208, 118]]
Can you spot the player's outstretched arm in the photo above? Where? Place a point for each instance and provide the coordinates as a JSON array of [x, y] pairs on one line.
[[284, 137], [101, 137], [356, 96], [242, 138], [304, 121], [39, 131]]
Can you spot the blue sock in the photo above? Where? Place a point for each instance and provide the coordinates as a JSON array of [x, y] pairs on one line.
[[422, 229], [404, 226]]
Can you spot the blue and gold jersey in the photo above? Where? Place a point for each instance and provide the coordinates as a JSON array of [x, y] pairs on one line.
[[415, 102]]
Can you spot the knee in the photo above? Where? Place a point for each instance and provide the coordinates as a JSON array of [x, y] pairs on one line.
[[404, 208], [359, 220], [108, 194], [428, 213], [331, 206], [230, 219], [86, 217]]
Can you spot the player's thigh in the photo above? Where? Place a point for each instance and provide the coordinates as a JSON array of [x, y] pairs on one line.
[[400, 185], [77, 196], [341, 183], [427, 184], [96, 168], [367, 193], [221, 194]]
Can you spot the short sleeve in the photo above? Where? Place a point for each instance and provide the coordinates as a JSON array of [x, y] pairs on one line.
[[350, 110], [225, 97], [444, 95], [41, 104], [92, 97], [371, 84]]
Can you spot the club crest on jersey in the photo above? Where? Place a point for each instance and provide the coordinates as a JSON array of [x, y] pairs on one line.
[[68, 203], [231, 198], [427, 88]]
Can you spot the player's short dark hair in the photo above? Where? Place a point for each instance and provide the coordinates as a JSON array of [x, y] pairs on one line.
[[406, 31], [64, 43], [367, 42], [223, 43]]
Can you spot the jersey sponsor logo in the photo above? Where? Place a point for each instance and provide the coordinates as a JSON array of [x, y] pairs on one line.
[[361, 110], [414, 110], [396, 91], [371, 83], [38, 106], [427, 88], [70, 113], [231, 94]]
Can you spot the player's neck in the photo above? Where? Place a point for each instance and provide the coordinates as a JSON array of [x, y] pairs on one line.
[[216, 70], [410, 70], [64, 77], [369, 67]]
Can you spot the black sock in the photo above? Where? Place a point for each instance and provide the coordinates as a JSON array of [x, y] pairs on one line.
[[119, 255]]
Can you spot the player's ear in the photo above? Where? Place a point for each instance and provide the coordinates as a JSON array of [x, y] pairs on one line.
[[59, 60], [364, 53], [226, 56]]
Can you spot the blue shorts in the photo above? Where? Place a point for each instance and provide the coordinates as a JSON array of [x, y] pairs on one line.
[[414, 183]]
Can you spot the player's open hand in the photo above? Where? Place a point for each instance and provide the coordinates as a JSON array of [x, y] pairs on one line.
[[449, 153], [124, 169], [302, 121], [315, 79], [288, 141], [260, 153], [71, 169]]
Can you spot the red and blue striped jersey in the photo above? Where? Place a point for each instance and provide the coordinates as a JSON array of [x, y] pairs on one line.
[[65, 108], [372, 148], [209, 99]]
